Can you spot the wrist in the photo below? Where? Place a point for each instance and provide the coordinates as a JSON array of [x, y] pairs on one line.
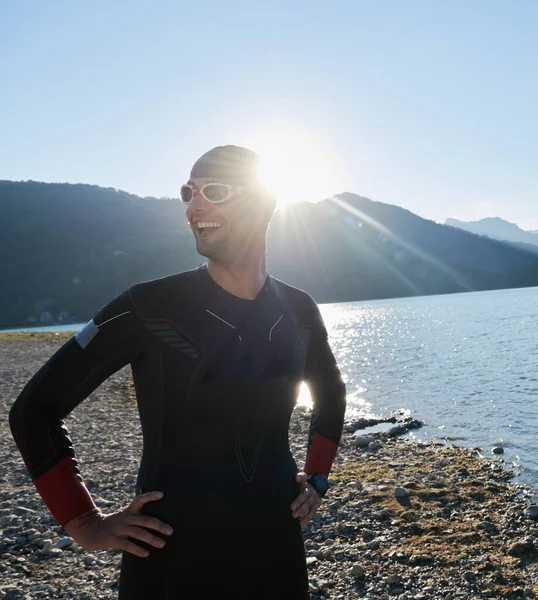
[[80, 521], [319, 482], [64, 492]]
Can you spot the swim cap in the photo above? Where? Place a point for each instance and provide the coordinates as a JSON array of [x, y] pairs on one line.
[[229, 164]]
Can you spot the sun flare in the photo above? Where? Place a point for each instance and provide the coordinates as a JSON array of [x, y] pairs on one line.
[[296, 168]]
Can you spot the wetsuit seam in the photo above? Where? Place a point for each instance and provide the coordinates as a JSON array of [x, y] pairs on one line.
[[271, 330], [226, 322], [161, 319], [248, 474], [127, 312]]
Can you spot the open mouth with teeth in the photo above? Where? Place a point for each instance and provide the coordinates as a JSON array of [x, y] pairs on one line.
[[206, 226]]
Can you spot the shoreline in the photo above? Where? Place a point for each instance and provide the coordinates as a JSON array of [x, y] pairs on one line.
[[402, 519]]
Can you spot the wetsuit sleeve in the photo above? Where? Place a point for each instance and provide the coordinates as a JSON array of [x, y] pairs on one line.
[[105, 345], [328, 392]]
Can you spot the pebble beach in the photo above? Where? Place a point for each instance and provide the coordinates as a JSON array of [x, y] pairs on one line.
[[402, 519]]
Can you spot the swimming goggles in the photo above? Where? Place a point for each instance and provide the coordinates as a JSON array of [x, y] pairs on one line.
[[212, 192]]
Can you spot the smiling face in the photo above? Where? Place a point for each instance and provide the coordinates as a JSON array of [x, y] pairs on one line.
[[225, 231]]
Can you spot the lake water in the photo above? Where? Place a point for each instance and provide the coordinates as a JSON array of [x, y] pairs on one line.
[[71, 327], [464, 364]]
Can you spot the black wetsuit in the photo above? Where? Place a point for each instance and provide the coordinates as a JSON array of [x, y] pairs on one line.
[[216, 380]]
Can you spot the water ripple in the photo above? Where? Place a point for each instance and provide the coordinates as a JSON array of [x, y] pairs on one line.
[[463, 362]]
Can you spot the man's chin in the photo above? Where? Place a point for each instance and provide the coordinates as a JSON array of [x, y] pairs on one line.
[[205, 250]]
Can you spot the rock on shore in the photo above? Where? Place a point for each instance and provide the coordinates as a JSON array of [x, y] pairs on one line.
[[402, 519]]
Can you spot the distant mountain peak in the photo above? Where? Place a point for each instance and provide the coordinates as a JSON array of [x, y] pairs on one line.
[[497, 228]]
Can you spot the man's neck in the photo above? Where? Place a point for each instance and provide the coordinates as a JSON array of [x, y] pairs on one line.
[[242, 279]]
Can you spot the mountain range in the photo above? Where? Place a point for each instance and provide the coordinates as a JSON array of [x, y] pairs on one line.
[[498, 229], [67, 249]]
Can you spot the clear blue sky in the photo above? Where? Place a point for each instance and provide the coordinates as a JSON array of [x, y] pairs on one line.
[[427, 104]]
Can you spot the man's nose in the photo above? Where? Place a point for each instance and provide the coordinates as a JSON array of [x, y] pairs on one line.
[[197, 205], [198, 201]]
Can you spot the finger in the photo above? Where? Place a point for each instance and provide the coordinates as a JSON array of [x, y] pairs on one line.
[[137, 504], [297, 503], [311, 502], [304, 510], [301, 477], [138, 533], [305, 494], [301, 509], [310, 510], [149, 523], [132, 548], [308, 517]]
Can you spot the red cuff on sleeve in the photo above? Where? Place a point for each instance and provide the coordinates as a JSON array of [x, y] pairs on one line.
[[320, 455], [64, 492]]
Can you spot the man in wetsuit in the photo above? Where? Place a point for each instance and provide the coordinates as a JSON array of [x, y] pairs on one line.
[[217, 356]]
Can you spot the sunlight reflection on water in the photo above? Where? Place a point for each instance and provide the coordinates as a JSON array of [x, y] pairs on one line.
[[465, 364]]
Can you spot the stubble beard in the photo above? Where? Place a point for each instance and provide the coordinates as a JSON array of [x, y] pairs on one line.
[[216, 251], [233, 247]]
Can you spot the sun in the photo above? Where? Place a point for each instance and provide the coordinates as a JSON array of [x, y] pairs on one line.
[[295, 167]]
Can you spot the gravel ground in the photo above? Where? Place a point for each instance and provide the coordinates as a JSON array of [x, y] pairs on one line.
[[402, 520]]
